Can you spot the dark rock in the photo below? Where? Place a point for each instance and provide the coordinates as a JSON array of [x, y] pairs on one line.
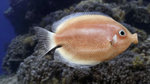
[[115, 1], [10, 79], [18, 50], [25, 13], [144, 47], [120, 70], [139, 16]]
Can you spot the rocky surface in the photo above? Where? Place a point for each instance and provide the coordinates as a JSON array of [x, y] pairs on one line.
[[131, 67], [20, 48], [11, 79]]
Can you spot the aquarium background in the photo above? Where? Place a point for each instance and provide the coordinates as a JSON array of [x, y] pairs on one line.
[[20, 61], [6, 31]]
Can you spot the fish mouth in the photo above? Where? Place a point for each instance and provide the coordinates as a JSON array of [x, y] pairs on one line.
[[135, 38]]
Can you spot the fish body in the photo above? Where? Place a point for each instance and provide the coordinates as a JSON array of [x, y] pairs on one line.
[[88, 39]]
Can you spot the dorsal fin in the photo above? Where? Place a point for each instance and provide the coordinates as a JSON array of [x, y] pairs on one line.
[[57, 23]]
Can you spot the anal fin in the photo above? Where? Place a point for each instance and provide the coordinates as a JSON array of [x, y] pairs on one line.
[[52, 51]]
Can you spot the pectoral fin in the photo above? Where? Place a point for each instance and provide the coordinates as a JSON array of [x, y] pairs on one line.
[[114, 40]]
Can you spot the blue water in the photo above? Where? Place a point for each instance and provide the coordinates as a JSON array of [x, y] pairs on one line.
[[6, 31]]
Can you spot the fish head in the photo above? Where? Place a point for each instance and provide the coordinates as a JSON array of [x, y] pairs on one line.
[[122, 39], [125, 36]]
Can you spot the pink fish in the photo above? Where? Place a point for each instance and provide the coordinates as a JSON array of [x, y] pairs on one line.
[[87, 38]]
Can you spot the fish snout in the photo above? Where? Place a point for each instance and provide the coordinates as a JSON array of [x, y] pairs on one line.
[[134, 38]]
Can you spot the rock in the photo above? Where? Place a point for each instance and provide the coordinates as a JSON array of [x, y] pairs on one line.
[[18, 50], [11, 79], [144, 47], [121, 70], [140, 16]]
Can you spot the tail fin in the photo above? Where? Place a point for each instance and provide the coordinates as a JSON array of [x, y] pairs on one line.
[[44, 41]]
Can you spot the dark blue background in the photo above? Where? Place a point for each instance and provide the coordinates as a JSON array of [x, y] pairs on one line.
[[6, 31]]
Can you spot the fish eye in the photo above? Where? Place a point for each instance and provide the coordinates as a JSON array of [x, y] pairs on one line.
[[121, 33]]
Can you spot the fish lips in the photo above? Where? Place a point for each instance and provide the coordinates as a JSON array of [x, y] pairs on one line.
[[134, 38]]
